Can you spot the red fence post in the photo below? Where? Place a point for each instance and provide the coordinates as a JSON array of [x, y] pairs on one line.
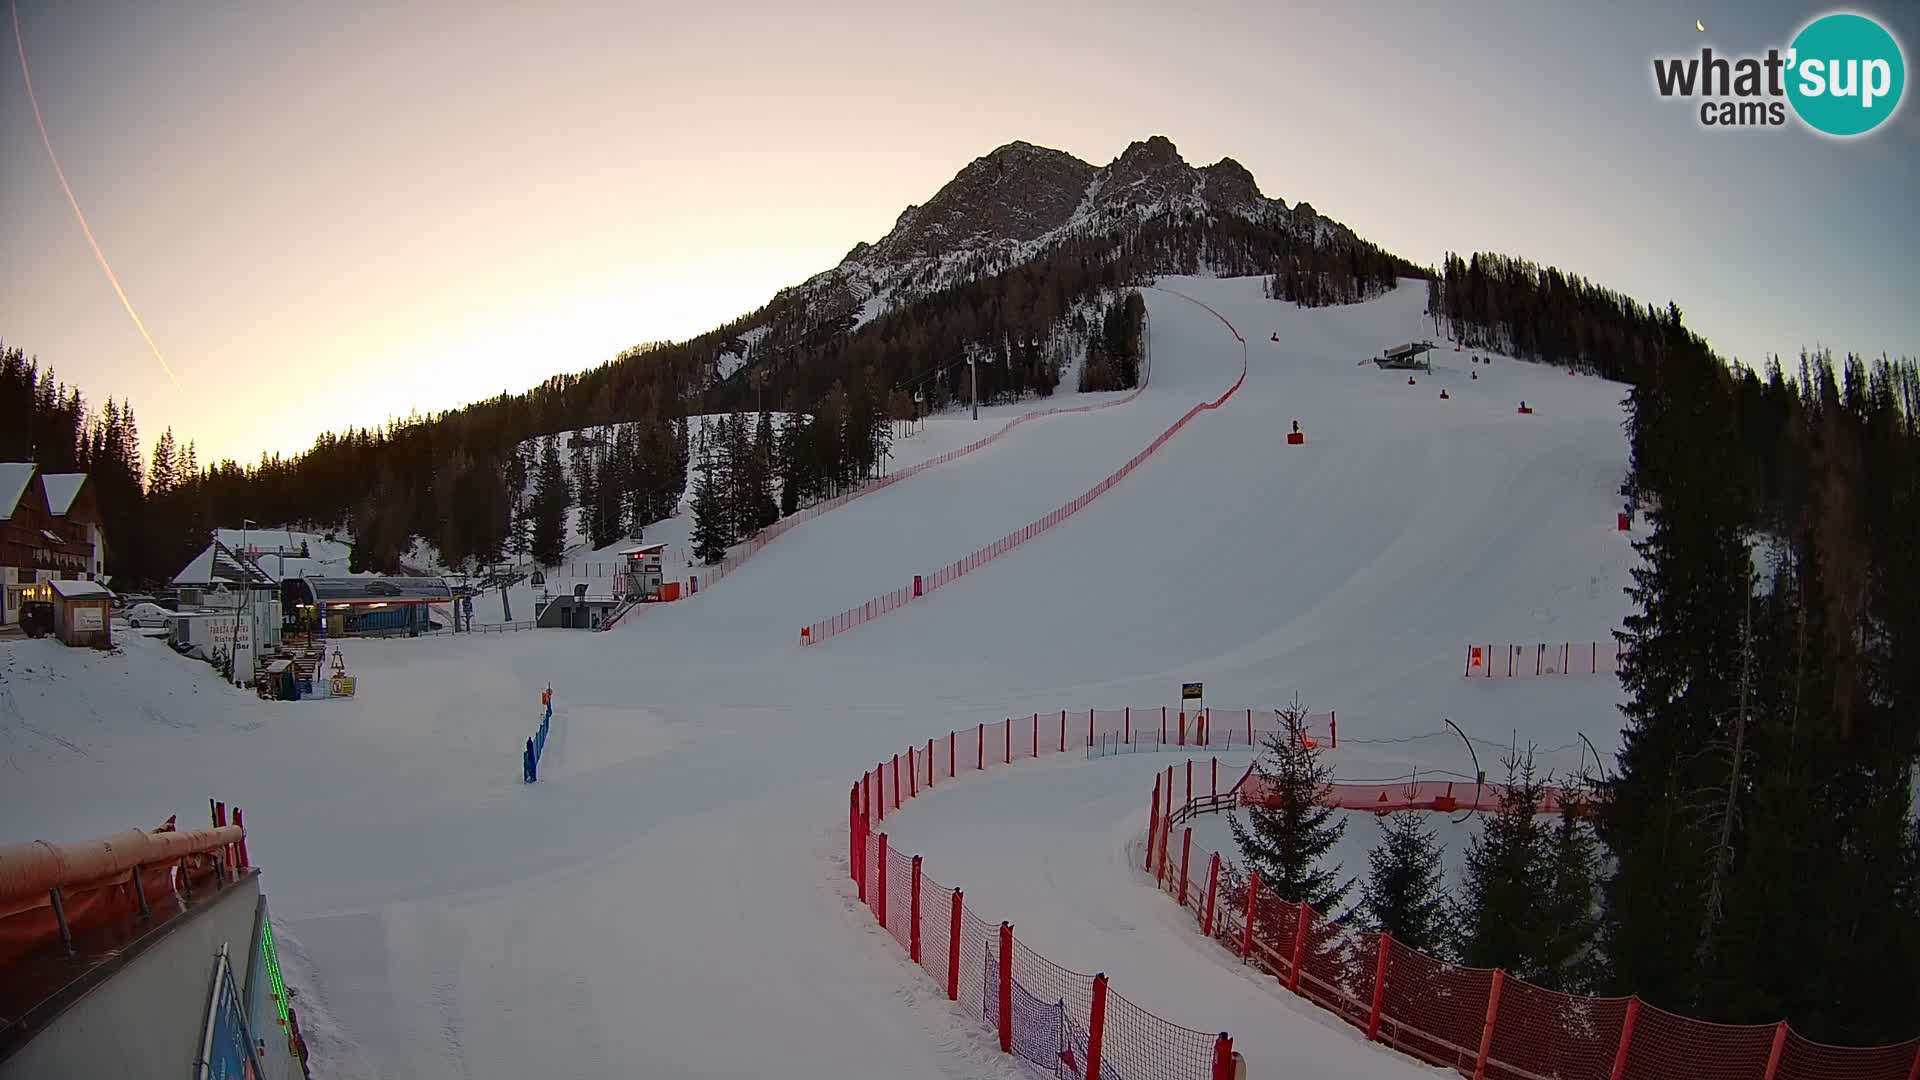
[[950, 741], [1153, 821], [1063, 731], [896, 781], [881, 908], [1096, 1024], [853, 834], [1006, 988], [930, 766], [1299, 946], [1626, 1040], [953, 949], [1183, 727], [1009, 740], [1213, 886], [913, 926], [913, 776], [1384, 943], [1215, 790], [240, 845], [1164, 870], [1189, 801], [1333, 728], [1779, 1047], [1036, 734], [1089, 727], [1126, 726], [982, 765], [1186, 852], [1222, 1058], [1163, 725], [866, 796], [1253, 911], [880, 789], [1493, 1013]]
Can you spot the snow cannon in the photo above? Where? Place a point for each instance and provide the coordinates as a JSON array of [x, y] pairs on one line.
[[1444, 395], [1525, 409], [1296, 437]]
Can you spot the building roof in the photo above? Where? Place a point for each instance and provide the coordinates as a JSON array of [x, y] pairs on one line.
[[61, 489], [79, 590], [14, 478], [645, 549], [349, 590], [218, 563]]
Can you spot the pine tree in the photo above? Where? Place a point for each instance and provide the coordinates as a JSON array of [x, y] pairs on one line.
[[1569, 917], [161, 478], [1285, 838], [710, 536], [551, 500], [1501, 898], [790, 459], [1404, 893]]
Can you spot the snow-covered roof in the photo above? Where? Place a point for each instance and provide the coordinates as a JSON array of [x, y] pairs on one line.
[[218, 563], [374, 589], [14, 478], [79, 590], [61, 489]]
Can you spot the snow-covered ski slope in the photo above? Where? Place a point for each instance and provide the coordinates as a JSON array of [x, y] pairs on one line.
[[671, 898]]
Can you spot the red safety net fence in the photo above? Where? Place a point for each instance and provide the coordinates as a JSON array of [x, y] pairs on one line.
[[1064, 1023], [921, 585], [1478, 1021], [1543, 660]]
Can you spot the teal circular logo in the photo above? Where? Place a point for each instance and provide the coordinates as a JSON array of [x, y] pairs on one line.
[[1845, 74]]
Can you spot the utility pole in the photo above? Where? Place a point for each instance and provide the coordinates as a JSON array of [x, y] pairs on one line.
[[973, 374]]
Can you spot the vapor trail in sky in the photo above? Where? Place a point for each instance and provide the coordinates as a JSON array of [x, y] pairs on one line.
[[21, 45]]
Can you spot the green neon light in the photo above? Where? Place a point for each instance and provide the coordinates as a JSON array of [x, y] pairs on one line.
[[273, 970]]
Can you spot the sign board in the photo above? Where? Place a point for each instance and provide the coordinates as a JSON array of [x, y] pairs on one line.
[[226, 1053], [1190, 691], [87, 618]]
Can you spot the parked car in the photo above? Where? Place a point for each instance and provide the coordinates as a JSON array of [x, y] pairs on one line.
[[36, 617], [122, 601], [148, 614]]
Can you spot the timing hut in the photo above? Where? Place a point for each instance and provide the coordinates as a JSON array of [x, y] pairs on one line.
[[642, 572], [1407, 357]]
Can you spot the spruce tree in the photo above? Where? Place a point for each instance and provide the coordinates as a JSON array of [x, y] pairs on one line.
[[1286, 837], [1569, 916], [710, 535], [787, 459], [1501, 894], [551, 500], [1404, 893]]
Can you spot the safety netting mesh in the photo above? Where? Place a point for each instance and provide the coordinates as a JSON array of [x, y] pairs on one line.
[[1137, 1045], [1337, 966], [1666, 1046], [1435, 1010], [936, 928], [1053, 983], [1804, 1059], [899, 897], [976, 942], [1540, 1032]]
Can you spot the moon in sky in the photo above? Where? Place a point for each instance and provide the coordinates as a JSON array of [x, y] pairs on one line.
[[1700, 26]]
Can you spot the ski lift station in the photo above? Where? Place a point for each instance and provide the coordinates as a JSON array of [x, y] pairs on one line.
[[1407, 357], [642, 574]]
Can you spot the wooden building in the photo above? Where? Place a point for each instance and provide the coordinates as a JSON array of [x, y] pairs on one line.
[[82, 614], [38, 543]]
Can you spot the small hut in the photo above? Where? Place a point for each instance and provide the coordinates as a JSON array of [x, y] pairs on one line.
[[81, 613]]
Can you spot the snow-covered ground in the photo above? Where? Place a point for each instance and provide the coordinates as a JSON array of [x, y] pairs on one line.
[[671, 899]]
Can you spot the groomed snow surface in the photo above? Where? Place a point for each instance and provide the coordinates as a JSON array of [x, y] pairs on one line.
[[672, 898]]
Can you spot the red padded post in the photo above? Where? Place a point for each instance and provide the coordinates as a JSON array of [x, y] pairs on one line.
[[1299, 946], [1626, 1041], [1493, 1014], [1126, 725], [913, 776], [1186, 853], [1183, 727], [1773, 1058], [1089, 727], [240, 845], [951, 739], [880, 866], [896, 781], [1163, 725], [1097, 1024], [953, 949], [1063, 730], [1253, 911], [1223, 1058], [913, 925], [880, 789], [1189, 801], [853, 839], [1008, 735], [1333, 728], [1006, 988], [1215, 790], [982, 733], [931, 770], [1036, 734], [1153, 821], [1383, 943], [1213, 888]]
